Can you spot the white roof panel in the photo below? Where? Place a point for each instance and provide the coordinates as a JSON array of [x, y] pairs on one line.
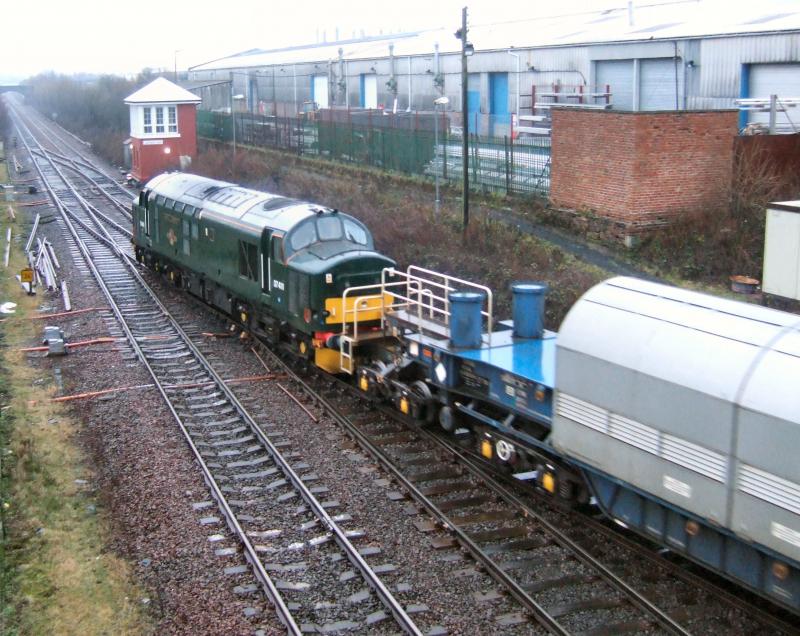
[[162, 91], [657, 21]]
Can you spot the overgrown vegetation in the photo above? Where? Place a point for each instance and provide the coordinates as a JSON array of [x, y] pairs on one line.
[[399, 213], [92, 108], [55, 575], [712, 244]]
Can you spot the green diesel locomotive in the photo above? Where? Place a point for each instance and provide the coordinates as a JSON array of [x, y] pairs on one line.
[[278, 265]]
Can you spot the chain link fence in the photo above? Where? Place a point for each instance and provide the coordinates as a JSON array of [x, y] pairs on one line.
[[405, 144]]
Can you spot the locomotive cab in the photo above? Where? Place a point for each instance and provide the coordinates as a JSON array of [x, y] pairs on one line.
[[325, 254]]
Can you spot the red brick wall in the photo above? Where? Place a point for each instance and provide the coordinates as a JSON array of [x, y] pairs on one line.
[[641, 169], [151, 159]]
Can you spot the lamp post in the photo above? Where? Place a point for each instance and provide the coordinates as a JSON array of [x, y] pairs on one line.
[[175, 62], [441, 101], [466, 49]]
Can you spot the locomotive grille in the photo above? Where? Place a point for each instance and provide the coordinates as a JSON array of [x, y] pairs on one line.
[[701, 460], [634, 433], [673, 449], [770, 488], [582, 412]]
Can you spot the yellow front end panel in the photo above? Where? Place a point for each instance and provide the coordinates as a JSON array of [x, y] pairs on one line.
[[329, 360], [369, 308]]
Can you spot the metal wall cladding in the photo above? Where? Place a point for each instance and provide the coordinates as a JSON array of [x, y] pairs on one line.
[[720, 61], [690, 398]]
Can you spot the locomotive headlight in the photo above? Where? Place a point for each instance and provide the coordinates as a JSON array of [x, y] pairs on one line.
[[329, 278], [413, 349]]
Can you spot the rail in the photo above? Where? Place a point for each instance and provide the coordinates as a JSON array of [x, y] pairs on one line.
[[127, 275]]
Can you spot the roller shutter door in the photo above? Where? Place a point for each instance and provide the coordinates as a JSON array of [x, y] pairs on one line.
[[320, 90], [618, 74], [782, 80], [657, 84], [370, 91]]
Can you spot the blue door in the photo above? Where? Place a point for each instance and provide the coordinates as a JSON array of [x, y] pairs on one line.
[[498, 103], [474, 101]]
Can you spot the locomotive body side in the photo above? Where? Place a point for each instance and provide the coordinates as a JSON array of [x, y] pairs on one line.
[[274, 264]]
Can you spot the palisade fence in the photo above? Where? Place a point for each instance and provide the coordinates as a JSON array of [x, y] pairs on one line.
[[405, 144]]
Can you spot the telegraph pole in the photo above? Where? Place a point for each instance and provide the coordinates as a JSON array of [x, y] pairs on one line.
[[462, 34]]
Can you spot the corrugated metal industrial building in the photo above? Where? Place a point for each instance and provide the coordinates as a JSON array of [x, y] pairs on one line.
[[699, 54]]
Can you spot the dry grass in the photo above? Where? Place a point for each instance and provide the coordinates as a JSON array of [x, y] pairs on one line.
[[712, 244], [399, 212], [56, 576]]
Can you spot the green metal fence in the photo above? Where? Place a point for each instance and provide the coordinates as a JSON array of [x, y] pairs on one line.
[[497, 164]]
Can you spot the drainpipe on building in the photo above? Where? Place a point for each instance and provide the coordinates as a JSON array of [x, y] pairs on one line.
[[346, 92], [294, 86], [675, 59], [408, 110], [516, 105], [331, 94], [392, 83], [438, 79], [342, 78]]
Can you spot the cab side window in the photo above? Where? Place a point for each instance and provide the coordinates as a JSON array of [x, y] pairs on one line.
[[277, 248]]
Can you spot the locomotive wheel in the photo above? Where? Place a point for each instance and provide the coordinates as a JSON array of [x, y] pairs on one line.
[[422, 390], [446, 419]]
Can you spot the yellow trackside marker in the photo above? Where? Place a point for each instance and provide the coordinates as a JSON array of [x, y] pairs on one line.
[[549, 482], [404, 406], [303, 346], [363, 383], [243, 317], [486, 449]]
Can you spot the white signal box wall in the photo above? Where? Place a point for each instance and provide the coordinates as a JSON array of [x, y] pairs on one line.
[[782, 250]]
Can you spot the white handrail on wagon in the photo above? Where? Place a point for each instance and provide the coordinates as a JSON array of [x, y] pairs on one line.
[[422, 293], [449, 284]]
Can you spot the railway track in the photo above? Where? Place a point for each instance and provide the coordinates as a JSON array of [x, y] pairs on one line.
[[569, 573], [102, 185], [60, 138], [291, 540]]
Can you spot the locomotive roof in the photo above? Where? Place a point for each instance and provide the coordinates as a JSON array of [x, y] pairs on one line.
[[253, 209]]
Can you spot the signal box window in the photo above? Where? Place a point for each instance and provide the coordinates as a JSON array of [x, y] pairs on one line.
[[148, 120], [248, 260], [159, 120], [172, 119]]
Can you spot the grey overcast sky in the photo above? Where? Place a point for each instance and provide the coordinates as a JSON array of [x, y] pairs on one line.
[[102, 36]]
